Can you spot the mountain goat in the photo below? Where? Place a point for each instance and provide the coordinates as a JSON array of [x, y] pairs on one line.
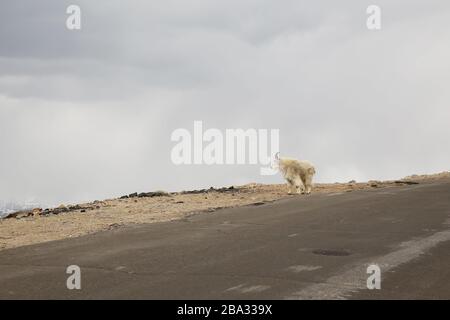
[[298, 174]]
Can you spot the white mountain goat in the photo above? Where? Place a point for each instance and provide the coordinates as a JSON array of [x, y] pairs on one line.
[[298, 174]]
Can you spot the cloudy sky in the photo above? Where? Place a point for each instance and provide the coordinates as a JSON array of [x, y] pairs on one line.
[[88, 114]]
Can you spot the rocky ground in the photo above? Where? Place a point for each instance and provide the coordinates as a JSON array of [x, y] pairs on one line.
[[66, 221]]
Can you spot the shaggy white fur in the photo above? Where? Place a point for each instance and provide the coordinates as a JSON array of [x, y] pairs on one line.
[[298, 174]]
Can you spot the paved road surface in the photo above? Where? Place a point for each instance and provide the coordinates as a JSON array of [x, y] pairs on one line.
[[309, 247]]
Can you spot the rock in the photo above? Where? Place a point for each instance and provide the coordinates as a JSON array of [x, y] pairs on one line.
[[36, 211], [62, 208], [158, 193], [211, 189], [143, 195], [226, 189], [195, 191], [161, 193], [373, 183], [133, 195], [124, 197], [408, 182], [352, 181], [114, 226], [19, 214], [258, 203]]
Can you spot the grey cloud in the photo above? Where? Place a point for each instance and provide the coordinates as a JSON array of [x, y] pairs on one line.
[[88, 114]]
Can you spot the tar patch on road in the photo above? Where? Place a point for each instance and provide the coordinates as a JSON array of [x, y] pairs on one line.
[[335, 253]]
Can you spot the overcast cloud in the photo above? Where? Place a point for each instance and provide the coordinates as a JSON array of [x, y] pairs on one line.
[[88, 114]]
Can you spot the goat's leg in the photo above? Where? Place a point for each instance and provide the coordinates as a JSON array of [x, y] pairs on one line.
[[299, 185], [290, 186], [308, 183]]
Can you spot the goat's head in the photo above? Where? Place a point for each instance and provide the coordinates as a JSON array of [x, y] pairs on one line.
[[276, 161]]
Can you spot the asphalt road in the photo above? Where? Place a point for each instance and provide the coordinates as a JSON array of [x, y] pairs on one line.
[[308, 247]]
